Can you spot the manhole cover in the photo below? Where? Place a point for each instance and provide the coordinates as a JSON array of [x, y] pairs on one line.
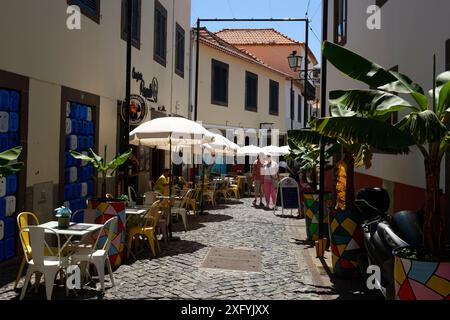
[[233, 259]]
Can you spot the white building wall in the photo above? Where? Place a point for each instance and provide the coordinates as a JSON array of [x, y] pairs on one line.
[[36, 43], [411, 32]]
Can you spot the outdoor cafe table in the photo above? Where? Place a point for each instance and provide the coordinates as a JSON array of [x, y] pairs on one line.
[[135, 211], [75, 230]]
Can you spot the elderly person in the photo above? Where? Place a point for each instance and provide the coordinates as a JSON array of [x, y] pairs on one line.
[[270, 178]]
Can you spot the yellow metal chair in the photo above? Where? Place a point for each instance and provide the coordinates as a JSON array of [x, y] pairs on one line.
[[24, 220], [194, 201], [146, 229], [234, 189]]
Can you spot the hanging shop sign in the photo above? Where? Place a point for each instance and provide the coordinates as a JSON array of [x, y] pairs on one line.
[[137, 111]]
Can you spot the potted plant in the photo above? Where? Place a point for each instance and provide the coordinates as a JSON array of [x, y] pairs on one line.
[[106, 208], [345, 232], [421, 272], [307, 157], [63, 214]]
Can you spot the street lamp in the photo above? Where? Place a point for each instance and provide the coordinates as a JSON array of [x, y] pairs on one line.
[[295, 63]]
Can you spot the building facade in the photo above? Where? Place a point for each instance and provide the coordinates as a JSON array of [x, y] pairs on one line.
[[272, 47], [70, 77], [403, 35], [242, 85]]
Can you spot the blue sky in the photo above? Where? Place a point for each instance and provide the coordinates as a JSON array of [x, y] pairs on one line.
[[263, 9]]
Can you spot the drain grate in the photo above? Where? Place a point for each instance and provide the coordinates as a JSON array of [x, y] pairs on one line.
[[233, 259]]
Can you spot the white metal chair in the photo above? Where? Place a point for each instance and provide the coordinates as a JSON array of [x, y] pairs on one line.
[[98, 256], [132, 195], [181, 208], [49, 266]]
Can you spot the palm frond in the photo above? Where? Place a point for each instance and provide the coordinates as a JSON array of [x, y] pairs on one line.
[[307, 136], [369, 102], [356, 66], [424, 126], [355, 130], [341, 111]]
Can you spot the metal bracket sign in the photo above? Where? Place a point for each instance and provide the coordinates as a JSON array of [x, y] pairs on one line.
[[290, 196], [137, 112]]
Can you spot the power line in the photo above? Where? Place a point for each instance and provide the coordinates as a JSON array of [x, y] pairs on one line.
[[231, 9], [317, 10], [307, 8], [315, 34]]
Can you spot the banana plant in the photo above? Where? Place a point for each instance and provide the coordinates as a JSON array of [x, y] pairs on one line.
[[8, 165], [423, 124], [105, 169]]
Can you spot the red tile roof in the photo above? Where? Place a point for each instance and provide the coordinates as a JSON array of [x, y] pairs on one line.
[[255, 36], [210, 39], [259, 37]]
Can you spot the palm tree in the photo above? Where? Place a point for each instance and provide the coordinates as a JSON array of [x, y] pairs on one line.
[[366, 113], [7, 162], [105, 169]]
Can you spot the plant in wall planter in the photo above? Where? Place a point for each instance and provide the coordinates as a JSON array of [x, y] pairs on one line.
[[421, 272], [63, 214], [106, 208]]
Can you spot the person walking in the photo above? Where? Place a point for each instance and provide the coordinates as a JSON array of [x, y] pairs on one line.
[[257, 178], [271, 177]]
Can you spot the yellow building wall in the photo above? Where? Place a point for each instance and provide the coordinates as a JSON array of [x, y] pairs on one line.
[[235, 114]]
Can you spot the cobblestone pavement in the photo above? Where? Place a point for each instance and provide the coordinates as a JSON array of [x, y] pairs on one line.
[[177, 274]]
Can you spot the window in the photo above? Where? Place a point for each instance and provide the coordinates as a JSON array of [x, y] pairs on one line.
[[219, 83], [251, 91], [340, 22], [160, 36], [136, 25], [274, 93], [299, 107], [90, 8], [179, 50], [381, 3]]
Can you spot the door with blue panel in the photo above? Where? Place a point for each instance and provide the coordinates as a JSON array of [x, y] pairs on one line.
[[9, 138], [79, 131], [79, 136]]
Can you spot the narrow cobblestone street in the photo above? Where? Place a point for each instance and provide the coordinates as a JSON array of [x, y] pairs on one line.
[[177, 274]]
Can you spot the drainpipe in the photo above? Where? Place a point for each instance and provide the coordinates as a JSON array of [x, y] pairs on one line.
[[128, 86], [323, 114], [191, 43], [172, 71]]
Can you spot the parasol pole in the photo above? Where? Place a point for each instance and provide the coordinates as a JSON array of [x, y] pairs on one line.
[[203, 180], [170, 186]]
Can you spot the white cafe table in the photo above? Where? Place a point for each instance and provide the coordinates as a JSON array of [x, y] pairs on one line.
[[74, 230]]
